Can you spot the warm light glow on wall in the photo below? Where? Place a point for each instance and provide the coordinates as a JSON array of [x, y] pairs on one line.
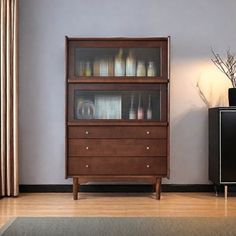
[[213, 86]]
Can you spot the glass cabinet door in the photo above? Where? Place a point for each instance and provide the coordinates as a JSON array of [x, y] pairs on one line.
[[130, 103], [115, 58]]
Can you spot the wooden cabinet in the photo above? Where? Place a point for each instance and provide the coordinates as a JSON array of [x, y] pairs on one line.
[[117, 109], [222, 152]]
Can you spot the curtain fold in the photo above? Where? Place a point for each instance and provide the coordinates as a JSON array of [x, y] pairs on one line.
[[9, 181]]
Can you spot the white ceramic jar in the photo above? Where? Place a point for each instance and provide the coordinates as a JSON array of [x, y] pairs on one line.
[[151, 71], [141, 69]]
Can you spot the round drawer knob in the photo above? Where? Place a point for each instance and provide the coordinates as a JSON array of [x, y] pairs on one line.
[[148, 166], [86, 166], [148, 132], [86, 132], [87, 148], [147, 148]]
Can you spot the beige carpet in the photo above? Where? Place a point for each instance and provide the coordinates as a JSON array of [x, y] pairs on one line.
[[119, 226]]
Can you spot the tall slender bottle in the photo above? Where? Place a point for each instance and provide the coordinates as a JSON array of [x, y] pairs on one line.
[[120, 64], [140, 113], [130, 64], [149, 110], [132, 114]]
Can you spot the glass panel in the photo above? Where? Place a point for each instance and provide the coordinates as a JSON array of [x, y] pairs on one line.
[[119, 105], [117, 62]]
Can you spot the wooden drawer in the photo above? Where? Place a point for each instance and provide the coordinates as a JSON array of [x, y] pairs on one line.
[[117, 147], [146, 132], [117, 166]]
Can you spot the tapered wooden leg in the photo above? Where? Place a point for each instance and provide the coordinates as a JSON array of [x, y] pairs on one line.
[[216, 190], [75, 187], [226, 192], [158, 188]]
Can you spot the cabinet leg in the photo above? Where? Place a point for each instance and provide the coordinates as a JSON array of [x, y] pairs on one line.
[[226, 192], [75, 187], [158, 188], [216, 190]]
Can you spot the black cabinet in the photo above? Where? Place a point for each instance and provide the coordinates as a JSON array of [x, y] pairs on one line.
[[222, 146]]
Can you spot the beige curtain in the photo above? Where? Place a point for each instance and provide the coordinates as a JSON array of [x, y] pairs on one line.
[[9, 98]]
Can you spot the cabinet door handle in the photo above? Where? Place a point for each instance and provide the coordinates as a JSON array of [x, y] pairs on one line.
[[148, 166], [86, 132], [148, 132], [87, 148], [147, 147], [86, 166]]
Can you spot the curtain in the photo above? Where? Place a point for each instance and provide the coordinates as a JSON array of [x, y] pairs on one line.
[[9, 98]]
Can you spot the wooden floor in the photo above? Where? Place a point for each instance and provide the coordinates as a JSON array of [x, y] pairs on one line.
[[117, 204]]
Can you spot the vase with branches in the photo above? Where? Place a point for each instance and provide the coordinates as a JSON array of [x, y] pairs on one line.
[[227, 66]]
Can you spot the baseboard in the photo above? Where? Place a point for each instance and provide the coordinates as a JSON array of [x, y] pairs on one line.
[[129, 188]]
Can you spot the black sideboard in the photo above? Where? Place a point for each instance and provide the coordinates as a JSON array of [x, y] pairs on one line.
[[222, 146]]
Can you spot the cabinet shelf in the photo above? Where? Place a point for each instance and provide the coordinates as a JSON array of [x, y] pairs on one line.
[[117, 122], [116, 79]]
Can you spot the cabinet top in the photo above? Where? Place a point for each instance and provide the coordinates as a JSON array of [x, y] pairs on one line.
[[223, 108], [118, 38]]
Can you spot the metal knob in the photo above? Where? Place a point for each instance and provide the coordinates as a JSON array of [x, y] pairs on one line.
[[86, 166], [147, 148], [87, 148], [148, 166], [86, 132], [148, 132]]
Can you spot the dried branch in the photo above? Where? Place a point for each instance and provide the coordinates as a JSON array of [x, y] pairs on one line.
[[202, 95], [228, 67]]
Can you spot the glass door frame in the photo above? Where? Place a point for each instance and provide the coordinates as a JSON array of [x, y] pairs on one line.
[[118, 87], [161, 43]]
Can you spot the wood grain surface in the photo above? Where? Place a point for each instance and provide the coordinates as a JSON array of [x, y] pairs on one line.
[[117, 204]]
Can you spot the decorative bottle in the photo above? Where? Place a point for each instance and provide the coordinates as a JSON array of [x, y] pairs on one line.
[[151, 71], [140, 113], [120, 64], [79, 68], [141, 69], [149, 110], [88, 69], [132, 114], [130, 64]]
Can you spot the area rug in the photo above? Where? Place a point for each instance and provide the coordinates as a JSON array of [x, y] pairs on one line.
[[120, 226]]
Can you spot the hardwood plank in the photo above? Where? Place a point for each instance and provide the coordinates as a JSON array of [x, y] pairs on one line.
[[117, 205]]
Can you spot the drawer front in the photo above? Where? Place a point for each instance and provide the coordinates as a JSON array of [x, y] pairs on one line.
[[117, 166], [117, 147], [146, 132]]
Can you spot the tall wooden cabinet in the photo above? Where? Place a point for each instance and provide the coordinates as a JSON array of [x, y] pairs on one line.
[[117, 110]]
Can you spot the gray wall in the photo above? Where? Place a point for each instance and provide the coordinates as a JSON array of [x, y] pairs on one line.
[[194, 26]]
